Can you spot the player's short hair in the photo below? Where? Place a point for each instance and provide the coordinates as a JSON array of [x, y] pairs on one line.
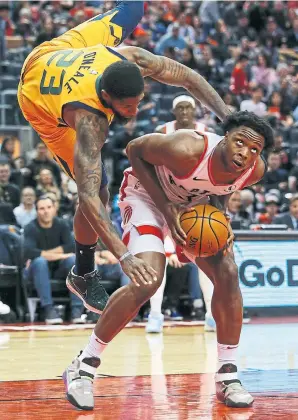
[[122, 79], [251, 120]]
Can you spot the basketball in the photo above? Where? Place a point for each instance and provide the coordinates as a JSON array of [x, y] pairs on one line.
[[207, 231]]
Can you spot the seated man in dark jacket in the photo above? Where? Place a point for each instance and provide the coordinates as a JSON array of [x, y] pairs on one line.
[[49, 251], [290, 218]]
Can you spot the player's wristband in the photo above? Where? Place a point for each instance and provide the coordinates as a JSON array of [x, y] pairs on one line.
[[127, 254]]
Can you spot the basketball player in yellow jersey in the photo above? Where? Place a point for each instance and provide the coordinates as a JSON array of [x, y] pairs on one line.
[[71, 88]]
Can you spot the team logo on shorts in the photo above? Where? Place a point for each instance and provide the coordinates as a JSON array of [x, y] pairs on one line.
[[127, 214]]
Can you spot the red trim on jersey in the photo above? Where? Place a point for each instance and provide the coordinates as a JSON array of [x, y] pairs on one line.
[[250, 176], [223, 185], [201, 158], [124, 184], [126, 238], [144, 230]]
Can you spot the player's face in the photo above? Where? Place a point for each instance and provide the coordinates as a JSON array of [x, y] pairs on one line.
[[184, 113], [124, 109], [243, 147]]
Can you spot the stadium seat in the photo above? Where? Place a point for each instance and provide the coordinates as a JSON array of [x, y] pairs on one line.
[[8, 82], [165, 116], [9, 106]]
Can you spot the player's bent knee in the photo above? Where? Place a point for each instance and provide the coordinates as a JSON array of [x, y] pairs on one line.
[[144, 292]]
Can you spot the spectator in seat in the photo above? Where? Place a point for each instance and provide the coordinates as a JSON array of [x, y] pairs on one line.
[[239, 77], [272, 33], [235, 212], [292, 40], [262, 74], [47, 33], [243, 29], [290, 218], [271, 206], [255, 104], [49, 251], [231, 101], [26, 211], [248, 202], [7, 150], [42, 160], [209, 14], [275, 177], [9, 193], [186, 31], [46, 184], [170, 40]]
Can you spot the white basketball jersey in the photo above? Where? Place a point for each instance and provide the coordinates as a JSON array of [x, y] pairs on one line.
[[199, 184], [170, 127]]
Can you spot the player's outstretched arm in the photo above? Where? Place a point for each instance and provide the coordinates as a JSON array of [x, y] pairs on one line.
[[91, 134], [173, 73]]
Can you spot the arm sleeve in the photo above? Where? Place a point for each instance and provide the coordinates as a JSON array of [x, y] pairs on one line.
[[31, 250], [68, 243]]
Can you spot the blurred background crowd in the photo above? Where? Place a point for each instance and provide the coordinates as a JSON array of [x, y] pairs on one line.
[[247, 50]]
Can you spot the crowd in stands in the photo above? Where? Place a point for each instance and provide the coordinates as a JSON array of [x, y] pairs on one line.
[[247, 50]]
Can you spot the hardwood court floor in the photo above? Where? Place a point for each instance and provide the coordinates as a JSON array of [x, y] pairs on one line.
[[150, 377]]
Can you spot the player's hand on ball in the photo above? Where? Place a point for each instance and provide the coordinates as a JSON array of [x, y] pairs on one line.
[[138, 270], [230, 241], [172, 214]]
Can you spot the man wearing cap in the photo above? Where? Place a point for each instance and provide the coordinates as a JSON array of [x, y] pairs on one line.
[[184, 108]]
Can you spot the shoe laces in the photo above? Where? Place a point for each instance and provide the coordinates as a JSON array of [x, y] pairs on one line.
[[97, 287]]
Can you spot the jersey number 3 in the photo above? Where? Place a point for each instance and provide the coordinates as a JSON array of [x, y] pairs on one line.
[[50, 86]]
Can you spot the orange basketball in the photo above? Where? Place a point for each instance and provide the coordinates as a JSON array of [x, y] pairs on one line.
[[207, 230]]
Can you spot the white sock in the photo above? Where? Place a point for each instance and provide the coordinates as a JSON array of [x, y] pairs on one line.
[[157, 298], [93, 349], [207, 290], [227, 354]]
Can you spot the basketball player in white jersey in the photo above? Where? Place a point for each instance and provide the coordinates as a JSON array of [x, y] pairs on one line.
[[172, 172], [183, 108]]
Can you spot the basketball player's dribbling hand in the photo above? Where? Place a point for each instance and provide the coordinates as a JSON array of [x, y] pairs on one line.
[[230, 241], [138, 271], [172, 214]]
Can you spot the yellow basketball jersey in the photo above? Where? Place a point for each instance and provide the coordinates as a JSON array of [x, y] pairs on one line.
[[54, 78]]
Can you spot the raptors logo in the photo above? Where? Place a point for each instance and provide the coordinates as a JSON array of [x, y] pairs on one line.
[[127, 214]]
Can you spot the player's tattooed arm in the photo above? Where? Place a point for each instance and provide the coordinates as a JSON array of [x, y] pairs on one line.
[[173, 73], [91, 135]]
